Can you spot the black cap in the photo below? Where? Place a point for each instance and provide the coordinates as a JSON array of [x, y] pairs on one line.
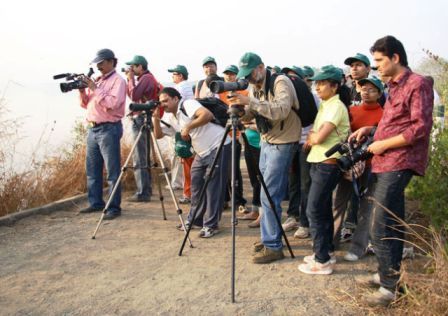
[[103, 54]]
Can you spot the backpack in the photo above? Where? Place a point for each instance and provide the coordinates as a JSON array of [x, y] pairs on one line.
[[217, 107], [307, 105]]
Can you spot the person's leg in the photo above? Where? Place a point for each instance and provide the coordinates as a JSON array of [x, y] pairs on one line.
[[239, 191], [343, 194], [294, 188], [252, 166], [177, 173], [305, 183], [274, 164], [109, 143], [324, 178], [198, 170], [141, 163], [94, 171], [386, 232], [186, 165]]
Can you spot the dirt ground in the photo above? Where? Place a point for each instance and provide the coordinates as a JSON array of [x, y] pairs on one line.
[[49, 265]]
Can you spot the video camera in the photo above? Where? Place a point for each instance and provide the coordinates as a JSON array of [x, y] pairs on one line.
[[74, 81], [221, 86], [352, 152], [147, 107]]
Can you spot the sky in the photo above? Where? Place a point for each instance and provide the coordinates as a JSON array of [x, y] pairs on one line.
[[44, 38]]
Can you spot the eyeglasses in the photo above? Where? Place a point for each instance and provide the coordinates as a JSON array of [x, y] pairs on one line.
[[370, 90]]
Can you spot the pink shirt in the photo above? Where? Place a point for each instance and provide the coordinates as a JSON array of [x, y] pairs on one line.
[[408, 111], [107, 102]]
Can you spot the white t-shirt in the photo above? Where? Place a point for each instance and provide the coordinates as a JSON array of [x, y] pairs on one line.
[[185, 89], [205, 138]]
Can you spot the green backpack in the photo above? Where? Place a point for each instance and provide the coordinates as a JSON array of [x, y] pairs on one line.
[[182, 148]]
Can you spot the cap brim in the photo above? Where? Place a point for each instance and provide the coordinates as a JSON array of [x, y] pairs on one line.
[[349, 61], [367, 80], [97, 60], [172, 70], [244, 72]]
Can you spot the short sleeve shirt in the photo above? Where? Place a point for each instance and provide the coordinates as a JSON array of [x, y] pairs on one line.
[[335, 112]]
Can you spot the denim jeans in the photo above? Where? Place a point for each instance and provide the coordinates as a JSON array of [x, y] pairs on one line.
[[208, 213], [274, 166], [305, 184], [103, 149], [141, 160], [239, 198], [386, 233], [324, 178], [252, 166]]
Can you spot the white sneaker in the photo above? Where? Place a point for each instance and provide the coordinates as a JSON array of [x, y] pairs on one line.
[[370, 280], [302, 233], [315, 267], [311, 258], [408, 253], [349, 256], [290, 224]]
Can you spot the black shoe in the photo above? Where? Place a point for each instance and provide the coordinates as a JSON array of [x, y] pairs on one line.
[[111, 216], [90, 210]]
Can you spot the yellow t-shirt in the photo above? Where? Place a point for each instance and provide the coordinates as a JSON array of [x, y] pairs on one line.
[[335, 112]]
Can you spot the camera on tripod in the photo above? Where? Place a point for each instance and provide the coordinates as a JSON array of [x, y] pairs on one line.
[[74, 81], [147, 107], [221, 86], [352, 152]]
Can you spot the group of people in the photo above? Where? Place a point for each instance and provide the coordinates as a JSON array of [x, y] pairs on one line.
[[395, 109]]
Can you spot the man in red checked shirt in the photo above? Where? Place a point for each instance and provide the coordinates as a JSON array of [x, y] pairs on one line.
[[400, 149], [141, 90]]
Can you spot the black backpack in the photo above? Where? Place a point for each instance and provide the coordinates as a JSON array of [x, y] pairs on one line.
[[217, 107], [307, 105]]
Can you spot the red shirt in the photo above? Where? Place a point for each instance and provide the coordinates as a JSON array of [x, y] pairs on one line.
[[144, 90], [408, 111], [365, 115]]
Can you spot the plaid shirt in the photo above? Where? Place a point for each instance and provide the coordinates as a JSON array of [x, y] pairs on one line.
[[408, 111]]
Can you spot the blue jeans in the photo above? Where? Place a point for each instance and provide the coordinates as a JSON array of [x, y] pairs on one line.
[[324, 178], [274, 166], [386, 233], [141, 160], [103, 149], [208, 213]]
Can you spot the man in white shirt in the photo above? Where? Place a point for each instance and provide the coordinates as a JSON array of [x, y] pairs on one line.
[[194, 123], [180, 77]]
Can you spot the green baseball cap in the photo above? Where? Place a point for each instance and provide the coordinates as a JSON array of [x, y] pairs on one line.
[[180, 69], [138, 60], [328, 72], [308, 71], [373, 80], [207, 60], [248, 62], [297, 70], [231, 68], [277, 69], [358, 57]]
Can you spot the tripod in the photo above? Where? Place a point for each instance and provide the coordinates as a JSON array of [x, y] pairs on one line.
[[234, 125], [146, 128]]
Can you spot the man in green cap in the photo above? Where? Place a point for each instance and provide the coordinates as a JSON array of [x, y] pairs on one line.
[[141, 90], [180, 77], [210, 68], [280, 133], [359, 69]]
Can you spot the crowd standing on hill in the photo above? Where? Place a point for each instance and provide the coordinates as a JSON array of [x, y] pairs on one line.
[[391, 114]]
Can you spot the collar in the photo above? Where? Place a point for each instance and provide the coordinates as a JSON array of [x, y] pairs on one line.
[[402, 79], [108, 75], [330, 100], [144, 73], [370, 107]]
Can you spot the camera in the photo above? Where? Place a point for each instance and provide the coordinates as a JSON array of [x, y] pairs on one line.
[[148, 107], [352, 152], [221, 86], [74, 81]]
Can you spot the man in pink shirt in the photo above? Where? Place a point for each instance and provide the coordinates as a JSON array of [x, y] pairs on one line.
[[104, 101], [400, 149]]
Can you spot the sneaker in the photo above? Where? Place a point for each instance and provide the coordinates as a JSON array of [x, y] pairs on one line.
[[243, 209], [90, 210], [207, 232], [382, 297], [138, 199], [111, 215], [257, 247], [290, 224], [184, 200], [349, 256], [311, 258], [369, 280], [267, 255], [302, 233], [408, 253], [249, 216], [346, 234], [315, 267], [187, 224], [370, 249]]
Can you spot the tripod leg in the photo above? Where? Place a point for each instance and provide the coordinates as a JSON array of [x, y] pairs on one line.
[[234, 220], [204, 187], [265, 189], [165, 172], [156, 173], [114, 190]]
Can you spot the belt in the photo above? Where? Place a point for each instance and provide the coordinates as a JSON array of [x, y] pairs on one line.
[[95, 124], [330, 161]]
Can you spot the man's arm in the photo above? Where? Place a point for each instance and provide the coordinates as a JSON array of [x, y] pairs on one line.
[[136, 92], [201, 117]]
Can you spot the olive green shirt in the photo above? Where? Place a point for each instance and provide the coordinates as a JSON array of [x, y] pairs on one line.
[[286, 125]]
